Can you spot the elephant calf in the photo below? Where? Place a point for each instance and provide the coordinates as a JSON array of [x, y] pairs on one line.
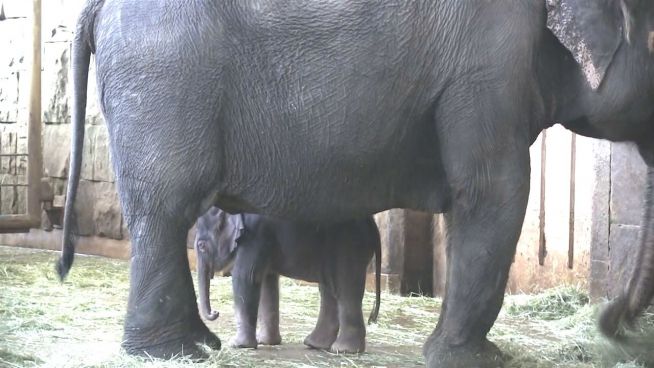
[[336, 256]]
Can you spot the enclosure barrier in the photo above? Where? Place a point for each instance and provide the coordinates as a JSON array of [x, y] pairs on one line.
[[35, 189]]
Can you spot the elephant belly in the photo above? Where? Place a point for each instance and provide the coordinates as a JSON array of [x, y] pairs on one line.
[[299, 261], [314, 179], [315, 153]]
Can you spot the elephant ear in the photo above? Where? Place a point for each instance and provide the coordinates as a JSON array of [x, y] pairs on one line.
[[592, 30], [237, 228]]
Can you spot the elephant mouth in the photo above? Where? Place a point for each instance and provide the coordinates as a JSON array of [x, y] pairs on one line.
[[225, 269]]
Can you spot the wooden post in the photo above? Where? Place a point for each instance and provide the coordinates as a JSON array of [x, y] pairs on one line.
[[407, 251], [418, 254], [571, 223], [542, 241], [34, 149]]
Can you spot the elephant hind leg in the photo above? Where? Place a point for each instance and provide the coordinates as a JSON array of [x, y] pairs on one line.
[[352, 333], [268, 318], [351, 286], [162, 316], [324, 334]]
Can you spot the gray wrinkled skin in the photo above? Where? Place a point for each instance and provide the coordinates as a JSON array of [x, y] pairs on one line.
[[257, 249], [333, 110], [561, 21]]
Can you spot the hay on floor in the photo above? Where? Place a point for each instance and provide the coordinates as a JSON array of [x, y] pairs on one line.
[[79, 323]]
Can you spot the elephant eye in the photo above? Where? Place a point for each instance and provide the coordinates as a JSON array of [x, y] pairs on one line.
[[202, 246]]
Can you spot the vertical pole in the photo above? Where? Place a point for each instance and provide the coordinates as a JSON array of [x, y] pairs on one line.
[[1, 158], [15, 207], [34, 149], [542, 245], [571, 225], [417, 272]]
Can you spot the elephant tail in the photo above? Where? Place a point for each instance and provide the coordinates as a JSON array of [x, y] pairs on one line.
[[377, 247], [81, 57]]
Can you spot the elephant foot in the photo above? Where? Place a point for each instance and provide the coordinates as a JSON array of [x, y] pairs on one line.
[[269, 338], [179, 339], [321, 340], [243, 341], [350, 343], [485, 354]]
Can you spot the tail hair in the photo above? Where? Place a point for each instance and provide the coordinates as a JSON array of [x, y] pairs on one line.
[[65, 262]]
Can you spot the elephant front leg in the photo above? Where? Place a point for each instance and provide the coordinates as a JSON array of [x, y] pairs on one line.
[[483, 229], [246, 282], [162, 316], [246, 302], [268, 333]]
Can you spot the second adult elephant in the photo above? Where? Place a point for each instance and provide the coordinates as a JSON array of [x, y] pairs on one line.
[[335, 255], [334, 110]]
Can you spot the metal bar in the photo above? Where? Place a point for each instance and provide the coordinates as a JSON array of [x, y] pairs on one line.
[[15, 189], [542, 244], [10, 165], [15, 185], [13, 154], [34, 149], [571, 225]]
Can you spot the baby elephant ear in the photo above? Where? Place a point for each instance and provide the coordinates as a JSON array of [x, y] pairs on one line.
[[591, 30], [237, 226]]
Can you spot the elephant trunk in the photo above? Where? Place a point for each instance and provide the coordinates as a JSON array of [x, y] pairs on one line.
[[204, 282], [638, 295]]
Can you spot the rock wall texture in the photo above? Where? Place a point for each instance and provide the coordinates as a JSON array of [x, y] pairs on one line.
[[97, 201], [13, 111]]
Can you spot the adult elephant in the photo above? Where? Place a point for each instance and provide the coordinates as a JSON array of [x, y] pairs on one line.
[[327, 110]]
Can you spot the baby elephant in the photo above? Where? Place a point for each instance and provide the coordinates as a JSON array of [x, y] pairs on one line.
[[336, 256]]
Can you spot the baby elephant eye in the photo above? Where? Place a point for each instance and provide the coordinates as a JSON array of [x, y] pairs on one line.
[[202, 246]]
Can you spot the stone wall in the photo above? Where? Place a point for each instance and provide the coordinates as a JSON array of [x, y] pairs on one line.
[[13, 106], [97, 204]]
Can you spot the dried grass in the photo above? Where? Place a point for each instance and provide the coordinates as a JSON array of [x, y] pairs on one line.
[[44, 323]]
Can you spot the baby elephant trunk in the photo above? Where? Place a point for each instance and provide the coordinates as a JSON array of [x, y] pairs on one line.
[[204, 282], [638, 295]]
